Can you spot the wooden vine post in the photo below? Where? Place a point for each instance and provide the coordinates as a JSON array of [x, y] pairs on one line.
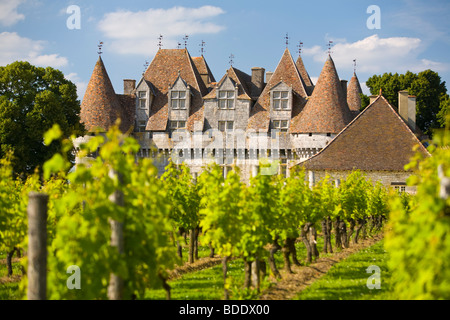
[[37, 246], [115, 288]]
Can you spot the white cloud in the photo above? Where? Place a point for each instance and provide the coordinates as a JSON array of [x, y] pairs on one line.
[[378, 55], [138, 32], [15, 47], [8, 12]]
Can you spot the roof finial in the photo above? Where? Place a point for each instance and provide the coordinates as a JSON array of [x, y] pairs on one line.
[[287, 39], [160, 41], [202, 47], [231, 59], [300, 46], [100, 45], [381, 90], [186, 37], [145, 67], [354, 66], [329, 45]]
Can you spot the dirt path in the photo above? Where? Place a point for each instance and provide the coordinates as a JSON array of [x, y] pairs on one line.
[[291, 284]]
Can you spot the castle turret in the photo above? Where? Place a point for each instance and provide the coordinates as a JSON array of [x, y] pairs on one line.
[[100, 107], [353, 95]]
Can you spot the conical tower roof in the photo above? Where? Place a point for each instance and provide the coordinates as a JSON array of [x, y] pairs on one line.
[[305, 76], [353, 94], [326, 110], [100, 107]]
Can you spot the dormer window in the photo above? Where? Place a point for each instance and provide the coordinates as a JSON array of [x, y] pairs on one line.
[[178, 100], [281, 97], [142, 99], [177, 124], [280, 100], [226, 99], [226, 126], [281, 125]]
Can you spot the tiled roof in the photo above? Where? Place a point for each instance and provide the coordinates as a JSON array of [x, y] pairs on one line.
[[203, 68], [101, 107], [287, 72], [353, 95], [326, 110], [162, 73], [305, 76], [239, 77], [377, 139]]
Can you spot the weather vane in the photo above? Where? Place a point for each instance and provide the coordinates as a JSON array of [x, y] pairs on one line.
[[202, 47], [287, 39], [186, 37], [300, 46], [99, 46], [231, 59], [329, 45], [160, 41], [145, 66], [354, 65], [179, 45]]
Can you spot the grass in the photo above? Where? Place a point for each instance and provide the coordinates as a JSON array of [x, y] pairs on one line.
[[347, 280], [10, 290], [208, 284]]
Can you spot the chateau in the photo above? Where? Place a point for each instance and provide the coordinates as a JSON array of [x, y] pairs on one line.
[[178, 111]]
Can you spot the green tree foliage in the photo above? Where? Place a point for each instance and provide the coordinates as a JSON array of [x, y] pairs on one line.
[[427, 86], [32, 99], [418, 236]]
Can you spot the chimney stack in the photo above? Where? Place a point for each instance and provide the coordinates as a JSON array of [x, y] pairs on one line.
[[257, 80], [128, 86], [268, 76], [407, 108], [344, 88]]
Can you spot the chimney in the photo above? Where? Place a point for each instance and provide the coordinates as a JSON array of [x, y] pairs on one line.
[[128, 86], [403, 105], [407, 108], [344, 88], [373, 98], [412, 113], [257, 80], [268, 76]]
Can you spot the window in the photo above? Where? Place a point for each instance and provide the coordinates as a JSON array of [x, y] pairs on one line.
[[141, 124], [281, 100], [178, 100], [281, 125], [226, 126], [399, 186], [226, 99], [142, 102], [177, 125]]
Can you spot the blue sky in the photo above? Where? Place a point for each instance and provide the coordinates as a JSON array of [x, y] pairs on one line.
[[413, 35]]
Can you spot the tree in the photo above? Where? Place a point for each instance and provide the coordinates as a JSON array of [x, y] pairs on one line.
[[32, 99], [428, 88]]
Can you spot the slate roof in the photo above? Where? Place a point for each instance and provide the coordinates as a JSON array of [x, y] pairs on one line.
[[376, 140], [305, 76], [240, 78], [287, 72], [326, 110], [101, 107], [162, 73], [353, 95]]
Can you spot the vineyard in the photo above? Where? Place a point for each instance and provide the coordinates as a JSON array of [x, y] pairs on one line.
[[125, 231]]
